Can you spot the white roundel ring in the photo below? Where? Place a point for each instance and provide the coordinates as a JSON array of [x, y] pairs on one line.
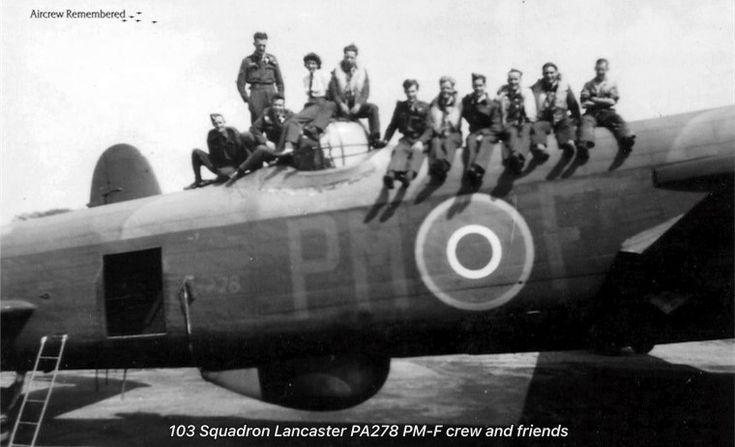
[[492, 238], [474, 252]]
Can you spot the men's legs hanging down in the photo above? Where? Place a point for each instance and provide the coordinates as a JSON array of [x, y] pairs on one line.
[[478, 154], [402, 163], [564, 131], [441, 154], [483, 153], [472, 146], [517, 141], [539, 140], [587, 131], [619, 128], [370, 111]]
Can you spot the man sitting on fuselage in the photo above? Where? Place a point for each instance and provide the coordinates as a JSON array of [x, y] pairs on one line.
[[598, 98], [518, 107], [227, 149], [266, 132], [411, 118], [350, 89], [482, 114], [445, 120], [554, 104]]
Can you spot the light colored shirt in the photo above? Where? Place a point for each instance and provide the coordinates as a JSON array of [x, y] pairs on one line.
[[316, 84], [605, 89]]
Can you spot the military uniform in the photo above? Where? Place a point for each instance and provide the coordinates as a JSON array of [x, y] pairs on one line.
[[602, 114], [518, 112], [264, 76], [445, 120], [554, 103], [350, 86], [268, 127], [226, 151], [412, 120], [483, 116]]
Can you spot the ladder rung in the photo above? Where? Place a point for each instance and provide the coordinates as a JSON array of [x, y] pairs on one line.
[[49, 357], [28, 423], [36, 401], [43, 379]]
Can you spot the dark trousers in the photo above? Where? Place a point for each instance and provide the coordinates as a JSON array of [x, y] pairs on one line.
[[563, 129], [318, 112], [369, 111], [479, 152], [261, 96], [404, 158], [255, 161], [442, 149], [200, 158], [517, 140], [604, 118]]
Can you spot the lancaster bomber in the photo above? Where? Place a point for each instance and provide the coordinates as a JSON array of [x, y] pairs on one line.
[[297, 288]]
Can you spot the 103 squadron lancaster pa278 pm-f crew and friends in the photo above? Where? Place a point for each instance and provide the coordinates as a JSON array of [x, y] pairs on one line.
[[296, 283]]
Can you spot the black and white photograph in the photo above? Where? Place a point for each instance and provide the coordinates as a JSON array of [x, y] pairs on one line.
[[367, 222]]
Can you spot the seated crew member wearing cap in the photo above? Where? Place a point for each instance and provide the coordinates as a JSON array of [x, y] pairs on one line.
[[483, 116], [350, 89], [317, 113], [598, 98], [411, 118], [227, 149], [555, 102], [445, 120], [518, 111], [266, 132]]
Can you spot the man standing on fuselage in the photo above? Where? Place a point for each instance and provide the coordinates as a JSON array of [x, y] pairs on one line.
[[261, 71]]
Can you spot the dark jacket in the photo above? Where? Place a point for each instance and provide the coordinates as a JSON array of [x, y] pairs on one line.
[[268, 127], [255, 70], [412, 122], [483, 114], [226, 149]]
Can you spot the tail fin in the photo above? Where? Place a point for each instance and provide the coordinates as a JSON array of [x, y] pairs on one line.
[[121, 174]]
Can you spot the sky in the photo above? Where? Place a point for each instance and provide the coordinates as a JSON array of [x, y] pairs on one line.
[[70, 88]]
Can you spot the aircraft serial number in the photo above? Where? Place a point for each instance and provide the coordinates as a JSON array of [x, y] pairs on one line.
[[220, 284]]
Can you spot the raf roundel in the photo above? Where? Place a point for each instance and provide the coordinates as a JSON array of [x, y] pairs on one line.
[[474, 253]]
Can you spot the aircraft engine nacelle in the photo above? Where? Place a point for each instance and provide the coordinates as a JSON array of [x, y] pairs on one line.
[[319, 383]]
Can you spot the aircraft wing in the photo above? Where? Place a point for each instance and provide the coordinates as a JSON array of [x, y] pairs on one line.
[[679, 274], [700, 174]]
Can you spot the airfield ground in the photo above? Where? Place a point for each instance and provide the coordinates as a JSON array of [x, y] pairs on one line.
[[680, 394]]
